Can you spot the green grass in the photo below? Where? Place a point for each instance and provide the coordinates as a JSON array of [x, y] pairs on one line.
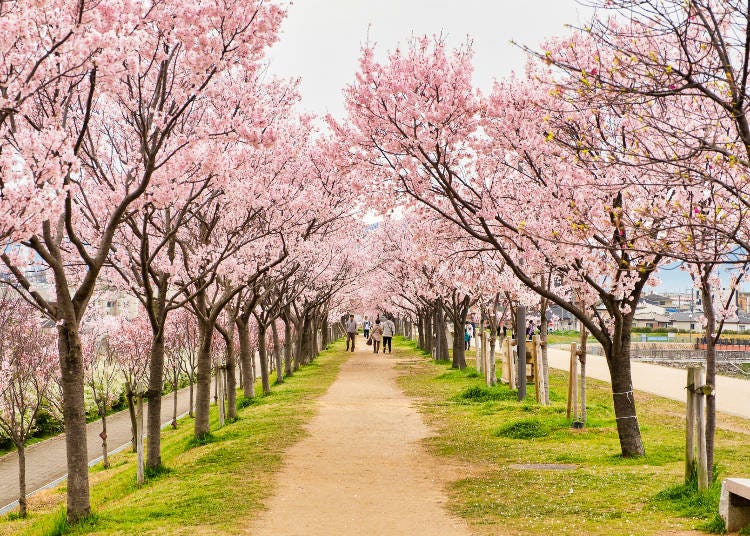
[[210, 486], [482, 431]]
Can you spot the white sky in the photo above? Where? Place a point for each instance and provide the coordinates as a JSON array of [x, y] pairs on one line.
[[321, 42], [321, 39]]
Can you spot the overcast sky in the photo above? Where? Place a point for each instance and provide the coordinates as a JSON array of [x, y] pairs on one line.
[[321, 39], [321, 42]]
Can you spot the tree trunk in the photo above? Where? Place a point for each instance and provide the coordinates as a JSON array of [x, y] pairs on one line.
[[428, 338], [459, 351], [313, 336], [435, 322], [21, 451], [74, 419], [582, 360], [306, 350], [141, 477], [191, 411], [458, 314], [216, 387], [203, 385], [263, 355], [174, 405], [324, 329], [105, 454], [420, 331], [277, 353], [441, 334], [297, 344], [246, 358], [219, 376], [543, 339], [231, 373], [131, 411], [288, 345], [708, 312], [153, 395], [618, 361], [492, 362]]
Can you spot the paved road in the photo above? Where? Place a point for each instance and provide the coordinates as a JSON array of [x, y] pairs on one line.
[[45, 461], [732, 394]]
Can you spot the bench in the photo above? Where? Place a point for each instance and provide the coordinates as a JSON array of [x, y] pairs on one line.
[[734, 505]]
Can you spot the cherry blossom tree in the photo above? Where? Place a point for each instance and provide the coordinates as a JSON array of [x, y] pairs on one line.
[[675, 75], [27, 369], [494, 168], [103, 376], [131, 343], [149, 70]]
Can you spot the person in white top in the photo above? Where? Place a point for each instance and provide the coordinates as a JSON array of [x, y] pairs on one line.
[[470, 332], [366, 325], [389, 330]]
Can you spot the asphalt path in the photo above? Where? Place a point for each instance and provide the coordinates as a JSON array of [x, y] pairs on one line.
[[46, 462], [732, 394]]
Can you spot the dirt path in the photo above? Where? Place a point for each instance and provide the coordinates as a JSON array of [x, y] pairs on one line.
[[362, 469]]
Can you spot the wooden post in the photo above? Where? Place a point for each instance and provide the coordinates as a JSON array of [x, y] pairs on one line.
[[504, 361], [700, 420], [492, 363], [139, 439], [573, 383], [485, 359], [477, 355], [582, 361], [521, 338], [538, 371], [690, 426]]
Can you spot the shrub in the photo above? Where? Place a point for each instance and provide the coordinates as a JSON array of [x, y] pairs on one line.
[[47, 424], [523, 429], [475, 393]]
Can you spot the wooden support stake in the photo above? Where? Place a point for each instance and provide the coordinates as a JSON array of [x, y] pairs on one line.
[[485, 359], [572, 410], [690, 425], [504, 361], [700, 421], [538, 371]]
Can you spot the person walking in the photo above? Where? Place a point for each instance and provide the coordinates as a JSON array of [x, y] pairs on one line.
[[351, 331], [530, 330], [470, 331], [366, 325], [389, 330], [376, 334]]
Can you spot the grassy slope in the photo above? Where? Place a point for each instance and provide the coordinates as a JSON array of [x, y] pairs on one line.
[[605, 495], [211, 489]]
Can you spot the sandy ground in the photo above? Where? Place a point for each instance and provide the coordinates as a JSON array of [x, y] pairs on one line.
[[362, 469]]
